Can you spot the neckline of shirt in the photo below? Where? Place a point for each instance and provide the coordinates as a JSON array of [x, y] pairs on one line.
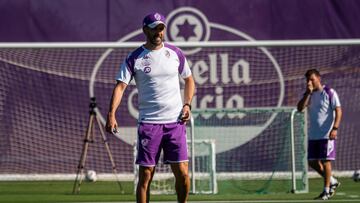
[[155, 50]]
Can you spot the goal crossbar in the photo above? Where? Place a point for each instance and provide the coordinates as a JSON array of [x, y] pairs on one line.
[[257, 43]]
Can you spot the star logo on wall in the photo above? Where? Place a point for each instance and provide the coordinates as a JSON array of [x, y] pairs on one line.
[[186, 30], [187, 25]]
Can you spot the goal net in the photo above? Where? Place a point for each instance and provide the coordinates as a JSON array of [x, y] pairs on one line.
[[258, 150], [45, 91]]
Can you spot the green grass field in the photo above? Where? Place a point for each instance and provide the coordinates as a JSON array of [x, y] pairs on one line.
[[61, 191]]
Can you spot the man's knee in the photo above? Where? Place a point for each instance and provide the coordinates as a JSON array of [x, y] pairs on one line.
[[326, 163], [145, 175], [183, 175], [181, 171]]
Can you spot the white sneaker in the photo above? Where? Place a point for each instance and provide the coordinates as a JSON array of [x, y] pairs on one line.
[[323, 196], [333, 188]]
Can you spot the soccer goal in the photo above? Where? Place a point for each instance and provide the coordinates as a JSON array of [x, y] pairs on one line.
[[257, 149]]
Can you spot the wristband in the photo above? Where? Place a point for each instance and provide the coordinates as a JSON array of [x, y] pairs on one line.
[[335, 128], [187, 104], [307, 93]]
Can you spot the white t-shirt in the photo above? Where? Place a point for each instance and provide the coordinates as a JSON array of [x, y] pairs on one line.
[[322, 113], [156, 73]]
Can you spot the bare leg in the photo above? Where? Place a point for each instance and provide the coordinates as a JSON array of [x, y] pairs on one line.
[[182, 180], [317, 166], [143, 187], [324, 169], [327, 172]]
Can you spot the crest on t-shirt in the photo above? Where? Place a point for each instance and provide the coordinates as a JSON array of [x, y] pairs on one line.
[[147, 69], [167, 53]]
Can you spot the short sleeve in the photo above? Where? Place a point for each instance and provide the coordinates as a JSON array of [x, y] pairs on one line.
[[124, 74], [184, 68], [186, 72], [335, 99]]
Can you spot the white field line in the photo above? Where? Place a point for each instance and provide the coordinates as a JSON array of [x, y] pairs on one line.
[[252, 201]]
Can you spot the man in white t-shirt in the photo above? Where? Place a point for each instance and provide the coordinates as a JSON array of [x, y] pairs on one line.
[[156, 67], [325, 116]]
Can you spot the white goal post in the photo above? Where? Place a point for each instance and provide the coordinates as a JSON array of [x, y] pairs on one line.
[[228, 43]]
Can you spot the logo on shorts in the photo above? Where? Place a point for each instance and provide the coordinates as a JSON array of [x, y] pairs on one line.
[[330, 147], [144, 142], [147, 69]]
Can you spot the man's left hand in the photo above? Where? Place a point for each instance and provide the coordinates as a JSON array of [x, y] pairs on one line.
[[185, 116], [333, 135]]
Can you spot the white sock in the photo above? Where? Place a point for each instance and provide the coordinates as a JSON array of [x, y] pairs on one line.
[[327, 189], [333, 180]]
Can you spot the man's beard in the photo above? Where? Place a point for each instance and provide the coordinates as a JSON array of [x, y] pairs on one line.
[[155, 42]]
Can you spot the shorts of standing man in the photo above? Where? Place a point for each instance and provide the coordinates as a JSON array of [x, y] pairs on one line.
[[321, 149], [152, 138]]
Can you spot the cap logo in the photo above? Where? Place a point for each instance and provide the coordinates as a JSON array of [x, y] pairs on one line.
[[157, 16]]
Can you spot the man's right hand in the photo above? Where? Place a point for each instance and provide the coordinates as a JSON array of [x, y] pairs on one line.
[[309, 88], [111, 123]]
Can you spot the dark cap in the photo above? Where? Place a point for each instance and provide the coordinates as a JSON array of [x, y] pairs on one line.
[[154, 19]]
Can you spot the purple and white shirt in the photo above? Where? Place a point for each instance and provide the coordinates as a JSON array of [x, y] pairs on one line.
[[322, 113], [156, 74]]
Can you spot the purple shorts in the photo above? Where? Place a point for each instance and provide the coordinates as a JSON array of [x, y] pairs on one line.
[[321, 150], [152, 138]]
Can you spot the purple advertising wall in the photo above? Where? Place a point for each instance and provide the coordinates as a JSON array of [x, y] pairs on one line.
[[44, 94], [109, 20]]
